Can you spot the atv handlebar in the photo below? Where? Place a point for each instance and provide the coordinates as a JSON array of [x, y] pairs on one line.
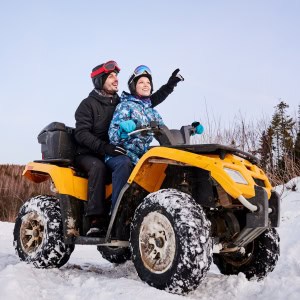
[[166, 136], [153, 126], [140, 130]]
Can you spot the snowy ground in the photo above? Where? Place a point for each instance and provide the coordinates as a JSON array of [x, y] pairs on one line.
[[88, 276]]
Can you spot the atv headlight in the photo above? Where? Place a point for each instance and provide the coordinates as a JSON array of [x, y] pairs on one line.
[[236, 176]]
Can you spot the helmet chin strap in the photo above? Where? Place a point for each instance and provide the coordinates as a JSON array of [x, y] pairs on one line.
[[142, 97]]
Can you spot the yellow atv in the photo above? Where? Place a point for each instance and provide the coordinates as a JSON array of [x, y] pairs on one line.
[[183, 206]]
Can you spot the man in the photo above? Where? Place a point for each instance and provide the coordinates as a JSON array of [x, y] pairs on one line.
[[93, 118]]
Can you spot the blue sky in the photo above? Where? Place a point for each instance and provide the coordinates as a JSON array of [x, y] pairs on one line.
[[236, 57]]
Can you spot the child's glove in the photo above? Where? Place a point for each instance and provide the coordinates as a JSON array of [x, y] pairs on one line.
[[199, 129], [125, 127], [175, 78]]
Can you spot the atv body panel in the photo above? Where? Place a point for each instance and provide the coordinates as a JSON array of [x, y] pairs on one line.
[[213, 163], [66, 180]]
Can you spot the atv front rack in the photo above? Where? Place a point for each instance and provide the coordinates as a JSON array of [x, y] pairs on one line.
[[217, 149]]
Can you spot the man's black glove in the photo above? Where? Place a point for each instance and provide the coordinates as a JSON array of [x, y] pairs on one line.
[[175, 78], [113, 150]]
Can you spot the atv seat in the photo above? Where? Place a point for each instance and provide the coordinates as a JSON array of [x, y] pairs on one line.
[[56, 161], [69, 163]]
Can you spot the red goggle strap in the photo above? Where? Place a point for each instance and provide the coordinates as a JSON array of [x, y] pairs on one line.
[[103, 69]]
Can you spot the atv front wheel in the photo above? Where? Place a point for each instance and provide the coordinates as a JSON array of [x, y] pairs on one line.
[[169, 241], [38, 234], [116, 255], [258, 259]]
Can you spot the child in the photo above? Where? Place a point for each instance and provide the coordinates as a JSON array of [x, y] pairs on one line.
[[136, 108]]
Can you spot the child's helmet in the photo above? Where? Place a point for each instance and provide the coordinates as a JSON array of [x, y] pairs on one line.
[[140, 71]]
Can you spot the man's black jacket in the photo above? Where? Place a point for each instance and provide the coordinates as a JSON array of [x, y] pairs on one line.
[[93, 117]]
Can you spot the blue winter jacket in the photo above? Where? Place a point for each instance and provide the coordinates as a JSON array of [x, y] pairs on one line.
[[140, 111]]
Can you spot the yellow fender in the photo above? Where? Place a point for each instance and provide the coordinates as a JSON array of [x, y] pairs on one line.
[[150, 175], [64, 179]]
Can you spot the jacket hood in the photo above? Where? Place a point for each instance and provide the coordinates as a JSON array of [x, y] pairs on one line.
[[106, 100], [129, 97]]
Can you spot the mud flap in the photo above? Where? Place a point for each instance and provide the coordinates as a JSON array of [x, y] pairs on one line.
[[256, 222], [259, 218], [71, 213], [274, 204]]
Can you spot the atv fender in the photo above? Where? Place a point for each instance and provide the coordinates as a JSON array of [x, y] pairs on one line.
[[64, 179]]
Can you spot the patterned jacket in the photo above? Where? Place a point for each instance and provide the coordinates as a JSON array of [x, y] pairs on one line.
[[140, 111]]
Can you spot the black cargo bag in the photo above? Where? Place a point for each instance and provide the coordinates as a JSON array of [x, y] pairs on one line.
[[57, 141]]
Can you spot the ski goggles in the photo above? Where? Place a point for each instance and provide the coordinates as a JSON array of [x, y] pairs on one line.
[[140, 70], [106, 68]]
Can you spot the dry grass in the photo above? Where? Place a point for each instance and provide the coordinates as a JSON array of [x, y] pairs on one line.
[[15, 190]]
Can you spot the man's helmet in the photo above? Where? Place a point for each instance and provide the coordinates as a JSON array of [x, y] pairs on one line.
[[100, 73], [140, 71]]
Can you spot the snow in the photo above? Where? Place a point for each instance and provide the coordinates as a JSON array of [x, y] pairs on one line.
[[88, 276]]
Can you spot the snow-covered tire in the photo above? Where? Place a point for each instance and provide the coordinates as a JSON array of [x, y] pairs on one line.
[[170, 243], [259, 259], [116, 255], [38, 233]]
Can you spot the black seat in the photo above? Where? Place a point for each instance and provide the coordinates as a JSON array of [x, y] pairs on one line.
[[56, 161]]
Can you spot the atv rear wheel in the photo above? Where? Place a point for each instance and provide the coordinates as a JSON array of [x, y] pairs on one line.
[[38, 234], [116, 255], [169, 241], [259, 258]]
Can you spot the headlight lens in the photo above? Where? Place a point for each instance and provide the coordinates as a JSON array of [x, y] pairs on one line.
[[236, 176]]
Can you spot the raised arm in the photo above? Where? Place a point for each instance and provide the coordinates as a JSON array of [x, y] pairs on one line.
[[164, 91]]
